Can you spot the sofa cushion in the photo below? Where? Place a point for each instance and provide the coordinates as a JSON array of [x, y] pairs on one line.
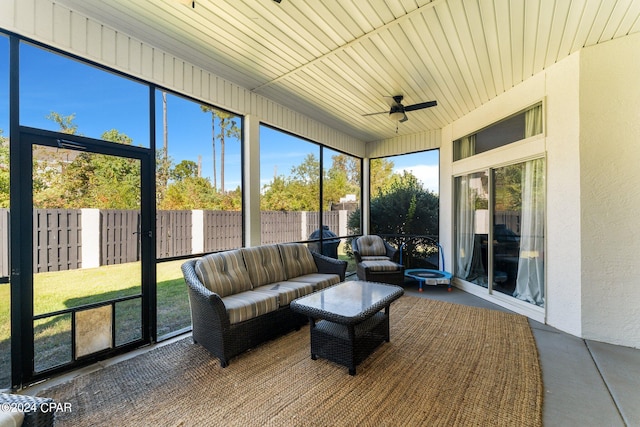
[[297, 260], [264, 264], [286, 291], [223, 273], [319, 281], [371, 245], [249, 304]]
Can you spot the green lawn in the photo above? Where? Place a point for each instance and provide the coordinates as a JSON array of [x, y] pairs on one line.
[[351, 262], [56, 291]]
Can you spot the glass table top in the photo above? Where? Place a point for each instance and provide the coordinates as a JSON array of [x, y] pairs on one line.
[[348, 300]]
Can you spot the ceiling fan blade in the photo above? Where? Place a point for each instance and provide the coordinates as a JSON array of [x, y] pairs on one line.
[[404, 119], [373, 114], [420, 106]]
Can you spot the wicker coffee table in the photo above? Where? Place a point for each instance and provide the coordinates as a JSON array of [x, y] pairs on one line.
[[348, 321]]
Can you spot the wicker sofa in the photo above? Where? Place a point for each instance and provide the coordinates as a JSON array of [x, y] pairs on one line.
[[240, 298]]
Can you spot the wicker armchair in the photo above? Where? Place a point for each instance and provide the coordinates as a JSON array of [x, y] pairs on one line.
[[377, 260]]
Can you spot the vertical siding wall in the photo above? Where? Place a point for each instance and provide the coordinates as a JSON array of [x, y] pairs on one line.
[[404, 144], [70, 31]]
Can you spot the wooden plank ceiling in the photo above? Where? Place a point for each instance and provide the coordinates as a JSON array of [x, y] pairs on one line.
[[335, 60]]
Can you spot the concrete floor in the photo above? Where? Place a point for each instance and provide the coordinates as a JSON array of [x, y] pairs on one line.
[[586, 383]]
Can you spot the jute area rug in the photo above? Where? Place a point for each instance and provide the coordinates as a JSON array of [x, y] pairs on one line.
[[446, 365]]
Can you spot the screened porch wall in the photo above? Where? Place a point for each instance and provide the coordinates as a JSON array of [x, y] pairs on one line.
[[403, 144]]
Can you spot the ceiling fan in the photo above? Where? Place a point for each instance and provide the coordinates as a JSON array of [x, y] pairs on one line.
[[397, 110]]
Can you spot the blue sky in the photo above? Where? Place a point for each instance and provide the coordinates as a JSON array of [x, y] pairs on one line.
[[102, 101]]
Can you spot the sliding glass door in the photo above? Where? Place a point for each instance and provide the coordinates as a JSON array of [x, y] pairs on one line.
[[499, 230], [472, 227], [518, 230]]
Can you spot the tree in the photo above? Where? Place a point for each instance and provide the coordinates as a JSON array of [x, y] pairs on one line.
[[192, 192], [108, 170], [49, 167], [163, 166], [508, 195], [207, 109], [185, 169], [163, 162], [349, 166], [275, 196], [87, 180], [298, 192], [406, 208], [228, 129], [342, 178], [65, 122], [231, 200], [380, 176]]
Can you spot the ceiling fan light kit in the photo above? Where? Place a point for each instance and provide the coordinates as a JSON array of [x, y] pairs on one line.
[[396, 115]]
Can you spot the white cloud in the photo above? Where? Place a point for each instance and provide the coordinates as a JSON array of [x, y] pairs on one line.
[[427, 174]]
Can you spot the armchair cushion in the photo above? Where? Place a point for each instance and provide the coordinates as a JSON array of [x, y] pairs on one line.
[[371, 245], [224, 273], [383, 265], [375, 258]]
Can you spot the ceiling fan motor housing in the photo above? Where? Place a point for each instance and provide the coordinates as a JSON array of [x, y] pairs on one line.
[[399, 108]]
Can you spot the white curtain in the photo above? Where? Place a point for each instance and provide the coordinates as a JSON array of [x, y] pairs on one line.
[[530, 280], [533, 121], [465, 147], [465, 226]]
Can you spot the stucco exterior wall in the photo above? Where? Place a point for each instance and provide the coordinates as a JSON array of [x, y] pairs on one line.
[[610, 190], [563, 255]]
